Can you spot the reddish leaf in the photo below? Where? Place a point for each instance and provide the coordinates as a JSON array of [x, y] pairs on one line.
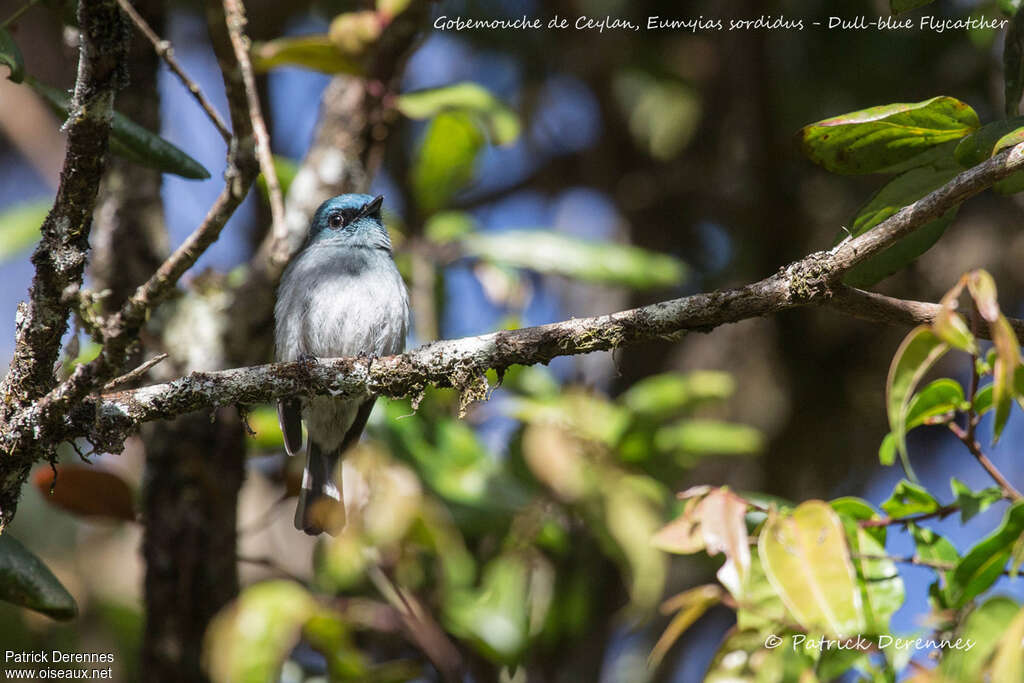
[[86, 491]]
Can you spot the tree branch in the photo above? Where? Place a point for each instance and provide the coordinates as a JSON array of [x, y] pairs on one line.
[[459, 363], [815, 279], [121, 329], [974, 447], [60, 257], [164, 49], [462, 363]]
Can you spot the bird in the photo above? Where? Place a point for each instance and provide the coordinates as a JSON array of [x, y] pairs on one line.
[[341, 295]]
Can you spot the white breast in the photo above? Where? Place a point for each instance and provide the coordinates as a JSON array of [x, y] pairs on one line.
[[333, 303]]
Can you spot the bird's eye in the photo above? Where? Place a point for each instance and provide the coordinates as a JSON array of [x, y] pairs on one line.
[[336, 220]]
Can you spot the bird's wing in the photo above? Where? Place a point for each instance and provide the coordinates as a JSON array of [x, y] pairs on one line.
[[358, 425], [289, 416]]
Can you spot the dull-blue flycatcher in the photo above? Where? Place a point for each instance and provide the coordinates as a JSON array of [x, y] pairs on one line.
[[341, 295]]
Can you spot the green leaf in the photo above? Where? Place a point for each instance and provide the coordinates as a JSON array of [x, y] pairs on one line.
[[880, 582], [887, 450], [807, 560], [853, 510], [445, 159], [264, 428], [937, 398], [758, 604], [1013, 63], [131, 141], [983, 626], [898, 6], [448, 226], [632, 520], [898, 193], [983, 400], [1010, 185], [988, 140], [931, 547], [877, 139], [971, 502], [495, 617], [286, 170], [909, 499], [27, 582], [705, 437], [249, 639], [10, 56], [984, 563], [546, 251], [19, 226], [665, 395], [916, 354], [951, 327], [501, 123], [662, 113], [315, 52]]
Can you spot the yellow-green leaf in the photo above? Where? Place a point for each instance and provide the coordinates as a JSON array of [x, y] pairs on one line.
[[983, 628], [916, 354], [1008, 662], [248, 640], [807, 560], [445, 159], [547, 251], [19, 226], [315, 52], [877, 139], [689, 607], [501, 123]]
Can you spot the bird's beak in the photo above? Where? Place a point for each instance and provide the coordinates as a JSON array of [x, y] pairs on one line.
[[372, 206]]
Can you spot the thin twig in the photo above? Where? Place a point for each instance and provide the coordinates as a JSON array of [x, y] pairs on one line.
[[269, 563], [134, 374], [122, 328], [235, 11], [941, 513], [17, 14], [907, 559], [975, 448], [165, 50], [423, 630]]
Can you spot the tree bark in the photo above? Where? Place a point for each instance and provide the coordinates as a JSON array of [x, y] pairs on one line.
[[194, 470]]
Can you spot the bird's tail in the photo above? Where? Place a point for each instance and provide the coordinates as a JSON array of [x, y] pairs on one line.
[[321, 506]]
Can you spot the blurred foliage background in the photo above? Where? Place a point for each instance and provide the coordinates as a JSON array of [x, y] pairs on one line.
[[562, 174]]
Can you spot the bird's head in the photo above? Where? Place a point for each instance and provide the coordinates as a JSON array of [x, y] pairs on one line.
[[350, 220]]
